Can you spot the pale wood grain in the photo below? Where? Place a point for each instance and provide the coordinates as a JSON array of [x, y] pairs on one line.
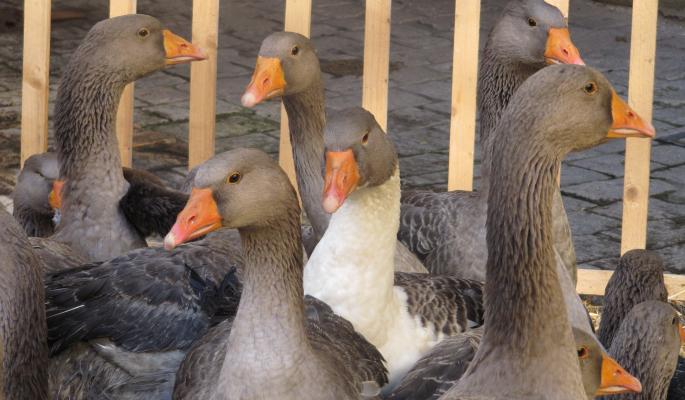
[[377, 59]]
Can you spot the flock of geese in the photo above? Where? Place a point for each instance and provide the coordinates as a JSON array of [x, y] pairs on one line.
[[388, 294]]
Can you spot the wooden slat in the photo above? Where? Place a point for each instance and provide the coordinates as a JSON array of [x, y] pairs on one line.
[[377, 59], [560, 4], [593, 282], [298, 18], [202, 118], [640, 95], [35, 78], [464, 83], [125, 111]]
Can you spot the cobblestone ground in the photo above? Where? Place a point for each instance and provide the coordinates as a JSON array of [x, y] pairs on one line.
[[421, 56]]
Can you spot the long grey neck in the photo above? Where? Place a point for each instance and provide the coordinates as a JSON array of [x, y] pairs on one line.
[[498, 80], [528, 308], [268, 334], [88, 154], [306, 120]]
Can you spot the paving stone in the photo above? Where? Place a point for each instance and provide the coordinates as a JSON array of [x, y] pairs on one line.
[[571, 175], [593, 247], [669, 154], [658, 209], [588, 226], [673, 175], [608, 191]]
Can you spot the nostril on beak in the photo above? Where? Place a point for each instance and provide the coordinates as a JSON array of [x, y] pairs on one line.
[[565, 51], [265, 82], [191, 220]]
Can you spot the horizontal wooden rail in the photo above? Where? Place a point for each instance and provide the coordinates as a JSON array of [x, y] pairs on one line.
[[593, 282]]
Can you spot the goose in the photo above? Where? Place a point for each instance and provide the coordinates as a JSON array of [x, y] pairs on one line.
[[639, 276], [527, 350], [447, 229], [351, 268], [445, 363], [647, 345], [30, 195], [115, 52], [288, 67], [121, 328], [271, 349], [23, 334]]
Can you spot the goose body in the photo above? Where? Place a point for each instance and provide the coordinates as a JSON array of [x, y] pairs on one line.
[[352, 267], [30, 196], [272, 348]]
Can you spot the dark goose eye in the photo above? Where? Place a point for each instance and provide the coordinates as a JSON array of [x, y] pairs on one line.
[[532, 22], [590, 88], [365, 139], [583, 352], [143, 32], [295, 50], [234, 177]]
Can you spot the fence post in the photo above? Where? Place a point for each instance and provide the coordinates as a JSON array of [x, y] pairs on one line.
[[464, 91], [560, 4], [640, 95], [298, 18], [377, 59], [35, 78], [202, 117], [124, 122]]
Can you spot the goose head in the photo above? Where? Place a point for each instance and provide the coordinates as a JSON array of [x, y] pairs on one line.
[[358, 154], [132, 46], [532, 33], [241, 188], [602, 375], [580, 106], [35, 182], [287, 64]]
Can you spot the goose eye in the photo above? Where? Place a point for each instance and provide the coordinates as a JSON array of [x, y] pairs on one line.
[[143, 32], [295, 50], [365, 139], [583, 352], [532, 22], [590, 88], [234, 177]]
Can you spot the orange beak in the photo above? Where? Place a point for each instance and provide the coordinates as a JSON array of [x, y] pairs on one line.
[[681, 331], [268, 81], [615, 379], [342, 177], [560, 49], [199, 217], [179, 50], [626, 122], [55, 197]]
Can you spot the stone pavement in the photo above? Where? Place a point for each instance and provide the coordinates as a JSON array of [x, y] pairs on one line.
[[421, 56]]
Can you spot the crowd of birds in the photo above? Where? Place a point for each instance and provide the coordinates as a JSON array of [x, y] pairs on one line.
[[389, 294]]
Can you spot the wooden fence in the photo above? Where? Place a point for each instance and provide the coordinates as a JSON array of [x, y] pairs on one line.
[[34, 123]]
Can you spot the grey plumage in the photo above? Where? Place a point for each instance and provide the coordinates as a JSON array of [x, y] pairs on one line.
[[647, 344], [23, 350], [638, 277]]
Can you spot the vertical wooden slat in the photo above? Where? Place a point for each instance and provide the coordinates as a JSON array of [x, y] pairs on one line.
[[464, 83], [640, 95], [35, 78], [125, 111], [202, 119], [298, 18], [560, 4], [376, 59]]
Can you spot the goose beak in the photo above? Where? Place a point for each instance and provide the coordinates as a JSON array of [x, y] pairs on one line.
[[560, 49], [55, 197], [626, 122], [179, 50], [199, 217], [615, 379], [681, 331], [268, 81], [342, 177]]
